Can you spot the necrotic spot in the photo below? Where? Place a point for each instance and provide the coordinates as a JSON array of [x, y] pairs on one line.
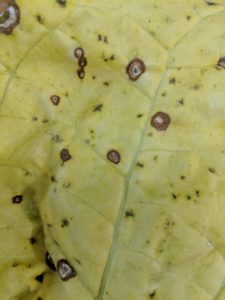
[[79, 53], [81, 73], [65, 155], [49, 261], [9, 16], [65, 270], [221, 62], [135, 69], [113, 156], [160, 121], [82, 62], [55, 99], [17, 199]]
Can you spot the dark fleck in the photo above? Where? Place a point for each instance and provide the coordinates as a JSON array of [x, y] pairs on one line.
[[53, 179], [106, 83], [66, 185], [148, 242], [163, 94], [17, 199], [140, 165], [66, 271], [197, 193], [15, 264], [155, 157], [211, 170], [210, 3], [130, 213], [40, 277], [98, 107], [152, 295], [180, 102], [172, 81], [160, 121], [10, 16], [62, 2], [45, 121], [105, 40], [93, 77], [139, 115], [188, 18], [49, 261], [135, 69], [113, 156], [79, 53], [221, 62], [99, 37], [81, 73], [112, 57], [40, 19], [196, 87], [55, 99], [64, 223], [39, 298], [174, 196], [57, 138], [65, 155], [34, 118], [188, 197], [82, 62], [78, 261], [33, 240], [182, 177]]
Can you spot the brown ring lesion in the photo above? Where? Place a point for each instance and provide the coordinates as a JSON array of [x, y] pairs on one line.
[[9, 16]]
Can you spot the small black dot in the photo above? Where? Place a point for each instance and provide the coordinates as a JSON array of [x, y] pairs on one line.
[[17, 199]]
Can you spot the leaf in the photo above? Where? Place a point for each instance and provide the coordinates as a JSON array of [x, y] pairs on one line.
[[112, 124]]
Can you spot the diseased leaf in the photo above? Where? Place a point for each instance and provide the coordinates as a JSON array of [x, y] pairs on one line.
[[112, 150]]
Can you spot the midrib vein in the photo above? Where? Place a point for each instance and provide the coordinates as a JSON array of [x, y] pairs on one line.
[[125, 195]]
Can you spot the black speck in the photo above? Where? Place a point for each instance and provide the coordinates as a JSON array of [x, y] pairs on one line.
[[53, 179], [152, 295], [99, 37], [188, 18], [40, 278], [93, 77], [141, 165], [39, 298], [188, 197], [64, 223], [211, 170], [33, 240], [210, 3], [34, 118], [172, 81], [182, 177], [174, 196], [62, 2], [45, 121], [130, 213], [106, 83], [98, 107], [163, 94], [139, 115], [15, 264], [105, 40], [197, 193], [112, 57], [17, 199], [40, 19]]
